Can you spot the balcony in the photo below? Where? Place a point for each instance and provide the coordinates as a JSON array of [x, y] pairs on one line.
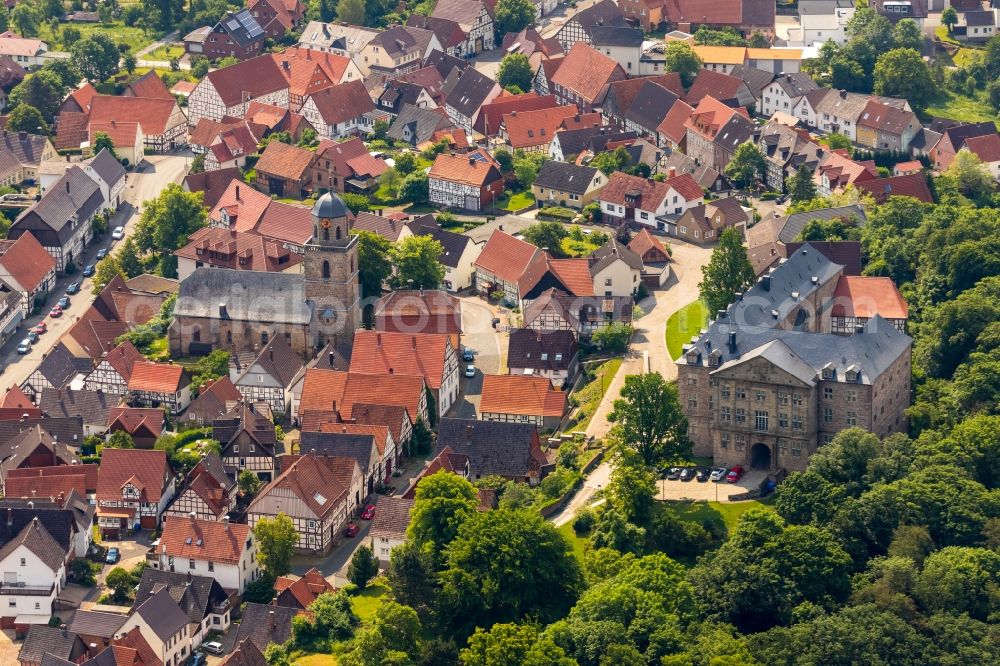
[[24, 590]]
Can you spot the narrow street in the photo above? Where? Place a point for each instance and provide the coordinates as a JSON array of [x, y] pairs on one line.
[[157, 171]]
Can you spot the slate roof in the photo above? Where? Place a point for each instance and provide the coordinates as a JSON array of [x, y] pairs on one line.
[[93, 406], [796, 84], [565, 176], [541, 351], [96, 623], [392, 517], [59, 367], [191, 593], [651, 106], [264, 624], [453, 244], [611, 252], [42, 639], [756, 79], [463, 12], [246, 654], [608, 35], [37, 539], [449, 33], [240, 291], [242, 27], [59, 525], [493, 447], [161, 612], [74, 196], [107, 167], [422, 122], [471, 91], [603, 13]]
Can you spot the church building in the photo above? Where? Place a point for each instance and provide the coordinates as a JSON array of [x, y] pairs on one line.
[[220, 308]]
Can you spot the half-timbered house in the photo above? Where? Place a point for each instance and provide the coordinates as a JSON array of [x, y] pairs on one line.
[[209, 492], [269, 377], [248, 441], [133, 489], [112, 374], [228, 91], [165, 385]]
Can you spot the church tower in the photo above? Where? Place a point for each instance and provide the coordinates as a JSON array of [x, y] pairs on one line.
[[331, 272]]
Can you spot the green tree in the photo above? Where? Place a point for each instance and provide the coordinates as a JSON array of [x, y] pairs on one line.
[[200, 67], [65, 70], [680, 57], [612, 338], [758, 40], [547, 235], [276, 539], [96, 56], [801, 186], [728, 271], [406, 163], [351, 11], [107, 269], [412, 576], [249, 483], [166, 223], [129, 62], [907, 35], [610, 161], [506, 565], [363, 567], [374, 266], [747, 165], [513, 645], [504, 159], [228, 61], [119, 439], [26, 19], [903, 73], [443, 501], [417, 262], [43, 90], [513, 16], [837, 141], [971, 176], [121, 583], [515, 70], [103, 142], [415, 188], [526, 166], [648, 419], [393, 638], [26, 118], [961, 580], [949, 18], [869, 27]]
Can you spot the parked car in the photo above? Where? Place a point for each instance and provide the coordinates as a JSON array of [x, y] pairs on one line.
[[88, 270], [63, 302], [40, 327], [24, 347], [33, 336], [702, 475], [467, 355], [113, 556], [56, 311], [73, 288], [735, 474], [368, 513], [718, 474], [351, 530], [118, 233], [470, 370], [103, 252], [674, 473], [687, 474], [198, 659], [214, 647]]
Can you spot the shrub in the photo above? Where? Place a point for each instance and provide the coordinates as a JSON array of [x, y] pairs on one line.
[[584, 522], [556, 213]]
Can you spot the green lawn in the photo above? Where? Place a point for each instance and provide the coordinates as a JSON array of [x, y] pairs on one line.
[[965, 57], [589, 397], [165, 53], [158, 350], [963, 108], [317, 659], [135, 38], [365, 603], [941, 32], [577, 541], [574, 248], [514, 200], [725, 512], [683, 324]]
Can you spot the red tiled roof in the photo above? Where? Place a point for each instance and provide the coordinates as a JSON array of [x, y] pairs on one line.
[[490, 115], [72, 130], [333, 65], [517, 394], [987, 147], [535, 128], [227, 248], [15, 397], [574, 274], [324, 390], [134, 640], [841, 170], [83, 96], [673, 125], [212, 184], [149, 85], [134, 419], [122, 134], [910, 185], [147, 469], [29, 486], [651, 193], [644, 241], [710, 115], [206, 130], [507, 257], [422, 354], [586, 71], [40, 475], [198, 539], [343, 102], [123, 358], [243, 203], [26, 261], [286, 222], [156, 377], [304, 589], [463, 169], [151, 113], [686, 186], [285, 161], [311, 478], [582, 120], [863, 296]]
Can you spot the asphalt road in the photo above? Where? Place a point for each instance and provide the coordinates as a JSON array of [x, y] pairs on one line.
[[156, 173]]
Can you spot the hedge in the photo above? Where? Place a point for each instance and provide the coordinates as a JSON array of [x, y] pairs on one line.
[[556, 213]]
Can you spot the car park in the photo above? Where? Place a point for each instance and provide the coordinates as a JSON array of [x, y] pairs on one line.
[[368, 513], [118, 233], [63, 302], [113, 556], [674, 473], [24, 347], [687, 474], [103, 252], [735, 474], [351, 530], [73, 288], [88, 270], [718, 474], [214, 647], [702, 475]]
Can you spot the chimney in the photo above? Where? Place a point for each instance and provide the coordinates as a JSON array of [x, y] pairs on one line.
[[225, 521], [472, 161], [378, 340], [22, 136], [672, 172], [413, 341], [766, 282], [193, 516], [67, 186], [270, 620], [859, 328], [380, 212], [732, 342], [223, 313], [468, 433]]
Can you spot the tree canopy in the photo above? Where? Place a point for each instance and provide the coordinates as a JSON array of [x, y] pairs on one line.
[[727, 273]]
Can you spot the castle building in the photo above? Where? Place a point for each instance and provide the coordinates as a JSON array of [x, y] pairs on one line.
[[243, 310]]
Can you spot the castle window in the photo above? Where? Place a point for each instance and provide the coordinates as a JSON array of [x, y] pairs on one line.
[[326, 270], [338, 233], [326, 234]]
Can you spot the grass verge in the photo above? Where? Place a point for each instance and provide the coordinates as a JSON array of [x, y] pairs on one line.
[[727, 513], [365, 603], [165, 53], [683, 324], [963, 108], [134, 37], [574, 539], [589, 396]]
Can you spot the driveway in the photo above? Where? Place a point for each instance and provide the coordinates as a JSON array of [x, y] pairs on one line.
[[157, 173], [489, 347], [132, 552]]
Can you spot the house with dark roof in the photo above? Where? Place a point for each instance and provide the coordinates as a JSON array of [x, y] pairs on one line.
[[33, 446], [979, 25], [953, 139], [705, 223], [268, 377], [726, 88], [201, 598], [248, 441], [21, 155], [715, 131], [388, 528], [237, 34], [566, 184], [551, 354], [208, 491], [897, 10], [163, 625], [91, 406], [466, 93], [475, 18], [511, 450], [581, 26], [416, 126], [54, 641], [61, 219], [785, 150], [318, 492], [56, 370], [96, 629], [277, 17], [453, 40], [785, 93], [884, 127], [371, 446], [134, 487], [36, 561], [458, 255], [265, 624]]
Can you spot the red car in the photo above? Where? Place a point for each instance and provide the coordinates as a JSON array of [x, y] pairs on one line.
[[351, 530], [735, 474], [368, 513], [56, 311], [40, 327]]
